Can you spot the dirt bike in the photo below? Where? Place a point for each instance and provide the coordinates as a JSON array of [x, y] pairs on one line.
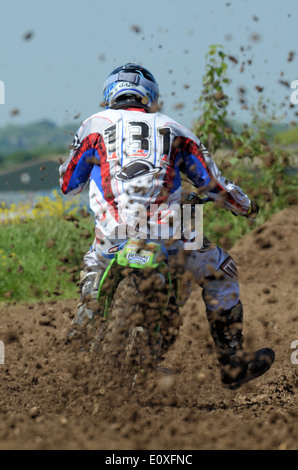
[[138, 298]]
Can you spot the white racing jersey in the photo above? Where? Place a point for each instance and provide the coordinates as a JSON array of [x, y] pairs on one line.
[[132, 162]]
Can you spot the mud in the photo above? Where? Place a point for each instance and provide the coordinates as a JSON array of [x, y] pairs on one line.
[[55, 395]]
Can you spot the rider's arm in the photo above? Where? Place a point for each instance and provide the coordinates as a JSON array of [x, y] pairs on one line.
[[197, 164], [75, 171], [226, 192]]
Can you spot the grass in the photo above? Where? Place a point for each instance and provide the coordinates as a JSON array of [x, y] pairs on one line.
[[41, 259], [41, 255]]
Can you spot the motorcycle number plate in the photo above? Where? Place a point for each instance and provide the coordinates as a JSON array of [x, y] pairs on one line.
[[138, 257]]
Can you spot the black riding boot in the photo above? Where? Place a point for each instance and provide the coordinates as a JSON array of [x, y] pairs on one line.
[[236, 365]]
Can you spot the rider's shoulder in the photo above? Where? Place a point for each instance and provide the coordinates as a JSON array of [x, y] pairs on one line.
[[107, 114], [167, 120], [178, 128], [96, 121]]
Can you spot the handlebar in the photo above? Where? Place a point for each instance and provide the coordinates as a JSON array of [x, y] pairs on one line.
[[193, 198], [204, 200]]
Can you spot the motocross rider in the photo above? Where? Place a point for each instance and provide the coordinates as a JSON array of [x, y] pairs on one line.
[[132, 153]]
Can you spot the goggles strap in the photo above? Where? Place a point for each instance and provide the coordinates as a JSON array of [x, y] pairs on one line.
[[131, 78]]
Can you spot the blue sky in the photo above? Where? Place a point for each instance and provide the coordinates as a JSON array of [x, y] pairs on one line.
[[58, 73]]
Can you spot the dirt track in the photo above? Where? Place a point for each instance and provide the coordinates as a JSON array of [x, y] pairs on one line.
[[52, 395]]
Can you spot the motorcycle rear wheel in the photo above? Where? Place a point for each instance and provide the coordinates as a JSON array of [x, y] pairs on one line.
[[127, 335]]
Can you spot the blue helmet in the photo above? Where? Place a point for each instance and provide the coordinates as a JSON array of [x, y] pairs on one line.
[[130, 85]]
